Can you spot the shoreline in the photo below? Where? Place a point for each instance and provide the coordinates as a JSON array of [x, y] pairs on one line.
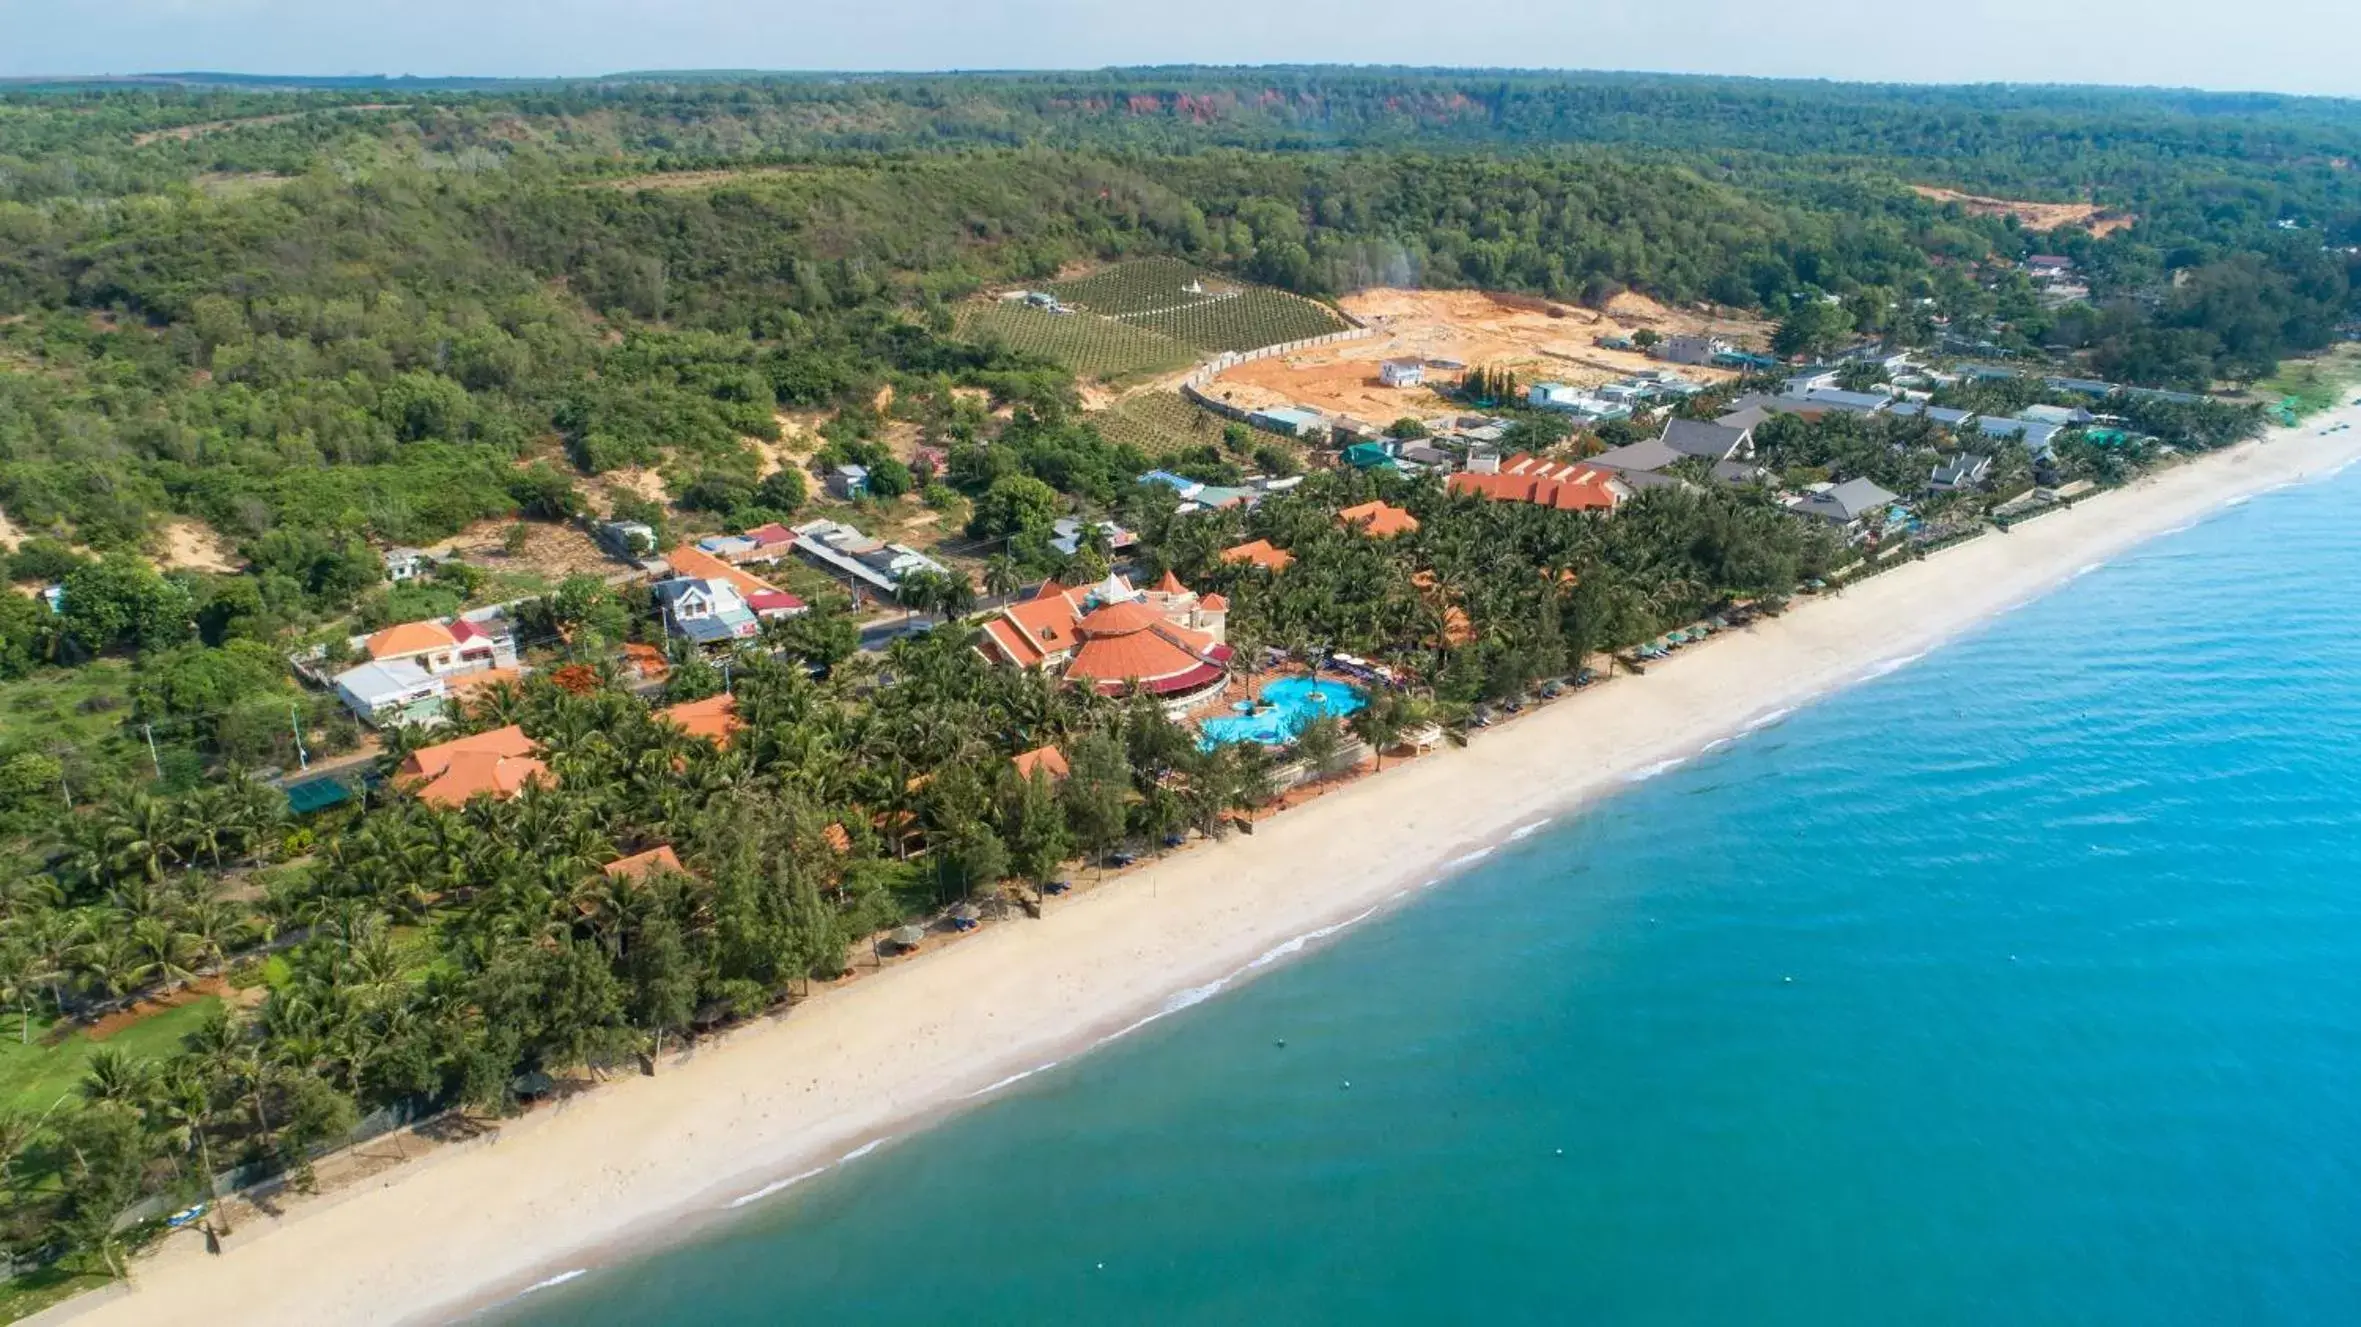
[[640, 1163]]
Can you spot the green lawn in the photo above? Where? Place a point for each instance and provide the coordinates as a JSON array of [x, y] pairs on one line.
[[35, 1291], [34, 1076], [2315, 384]]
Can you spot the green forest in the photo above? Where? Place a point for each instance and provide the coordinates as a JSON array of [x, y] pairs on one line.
[[324, 321]]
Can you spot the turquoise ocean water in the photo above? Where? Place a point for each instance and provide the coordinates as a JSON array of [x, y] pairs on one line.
[[2020, 986]]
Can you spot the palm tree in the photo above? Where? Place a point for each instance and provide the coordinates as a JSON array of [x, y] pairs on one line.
[[1002, 576], [204, 818], [1380, 723], [116, 1075], [185, 1101], [141, 833]]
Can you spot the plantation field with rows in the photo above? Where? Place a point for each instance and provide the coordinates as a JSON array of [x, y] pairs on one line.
[[1252, 318], [1161, 423], [1141, 286], [1090, 346]]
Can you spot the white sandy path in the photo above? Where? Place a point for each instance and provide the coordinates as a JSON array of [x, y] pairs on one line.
[[648, 1158]]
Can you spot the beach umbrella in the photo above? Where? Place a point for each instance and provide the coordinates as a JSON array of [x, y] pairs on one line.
[[966, 912], [909, 937]]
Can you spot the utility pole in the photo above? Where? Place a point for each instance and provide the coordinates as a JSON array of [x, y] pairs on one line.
[[153, 758], [295, 720]]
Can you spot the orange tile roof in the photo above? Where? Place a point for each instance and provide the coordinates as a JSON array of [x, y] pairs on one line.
[[1261, 554], [467, 682], [1524, 478], [1043, 625], [1047, 759], [713, 718], [1132, 656], [428, 761], [690, 560], [1379, 520], [639, 866], [1171, 584], [1214, 603], [411, 638], [497, 764]]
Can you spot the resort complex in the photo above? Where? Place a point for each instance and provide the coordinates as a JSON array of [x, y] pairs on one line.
[[510, 584]]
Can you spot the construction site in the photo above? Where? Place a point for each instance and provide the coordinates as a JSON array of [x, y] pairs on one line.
[[1448, 330]]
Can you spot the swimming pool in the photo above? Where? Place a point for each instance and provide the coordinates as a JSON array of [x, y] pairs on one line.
[[1289, 704]]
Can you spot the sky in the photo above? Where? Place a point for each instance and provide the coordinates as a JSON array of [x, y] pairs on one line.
[[2309, 46]]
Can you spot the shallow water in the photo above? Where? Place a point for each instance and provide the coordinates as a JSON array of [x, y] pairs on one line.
[[2021, 985]]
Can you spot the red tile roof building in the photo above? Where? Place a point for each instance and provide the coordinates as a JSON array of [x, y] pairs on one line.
[[713, 718], [639, 866], [1565, 486], [497, 764], [1261, 554], [1379, 520], [1166, 641]]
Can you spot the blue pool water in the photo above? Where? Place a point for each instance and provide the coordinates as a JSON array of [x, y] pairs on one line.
[[2020, 986], [1290, 703]]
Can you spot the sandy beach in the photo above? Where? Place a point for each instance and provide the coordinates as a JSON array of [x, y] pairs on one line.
[[599, 1178]]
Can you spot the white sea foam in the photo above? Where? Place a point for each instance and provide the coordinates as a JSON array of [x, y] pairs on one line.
[[861, 1151], [1467, 859], [2085, 569], [1013, 1079], [546, 1282], [1295, 946], [1885, 666], [1717, 744], [1647, 772], [1762, 721], [776, 1186], [1528, 831], [2239, 501]]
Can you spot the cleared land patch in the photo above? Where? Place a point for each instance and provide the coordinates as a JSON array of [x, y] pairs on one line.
[[1534, 338], [2033, 216]]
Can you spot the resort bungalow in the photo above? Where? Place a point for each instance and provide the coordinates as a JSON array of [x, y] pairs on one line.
[[711, 602], [1966, 470], [498, 764], [1113, 638], [1260, 553], [860, 559], [1562, 486], [714, 718], [659, 860], [1378, 520], [1369, 456], [1856, 506], [1402, 372], [1045, 761]]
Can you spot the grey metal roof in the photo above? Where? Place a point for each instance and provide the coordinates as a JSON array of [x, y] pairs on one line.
[[1847, 502], [1697, 437], [1646, 456]]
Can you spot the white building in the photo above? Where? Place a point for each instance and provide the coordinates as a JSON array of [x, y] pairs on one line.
[[1402, 372]]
